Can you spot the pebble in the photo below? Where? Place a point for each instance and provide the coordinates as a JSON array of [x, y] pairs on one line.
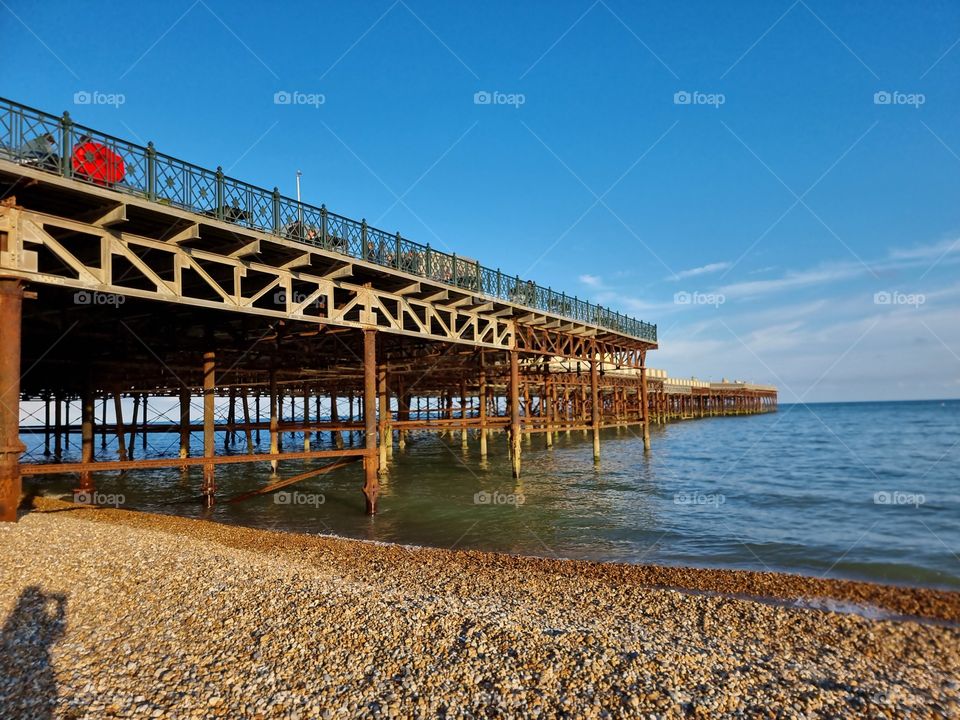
[[128, 615]]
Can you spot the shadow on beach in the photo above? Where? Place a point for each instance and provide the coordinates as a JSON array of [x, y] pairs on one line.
[[28, 684]]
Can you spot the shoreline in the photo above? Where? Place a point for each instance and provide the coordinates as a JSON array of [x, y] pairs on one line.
[[118, 613], [903, 602]]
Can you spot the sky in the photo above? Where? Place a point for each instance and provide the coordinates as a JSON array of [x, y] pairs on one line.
[[774, 184]]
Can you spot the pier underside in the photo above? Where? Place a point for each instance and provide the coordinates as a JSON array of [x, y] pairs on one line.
[[114, 301]]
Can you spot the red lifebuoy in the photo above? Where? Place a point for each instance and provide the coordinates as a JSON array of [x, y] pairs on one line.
[[98, 163]]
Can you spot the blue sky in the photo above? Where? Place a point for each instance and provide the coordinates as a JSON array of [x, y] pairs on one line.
[[726, 170]]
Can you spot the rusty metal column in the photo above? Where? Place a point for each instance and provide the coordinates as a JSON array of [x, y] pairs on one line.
[[371, 487], [248, 431], [184, 423], [103, 422], [86, 434], [306, 419], [118, 411], [547, 411], [209, 449], [133, 427], [403, 412], [230, 436], [335, 418], [515, 412], [11, 310], [46, 426], [463, 413], [482, 395], [274, 423], [144, 426], [595, 395], [383, 412], [58, 428], [644, 403], [256, 410]]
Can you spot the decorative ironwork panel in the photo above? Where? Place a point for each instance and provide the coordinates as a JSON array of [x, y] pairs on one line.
[[57, 145]]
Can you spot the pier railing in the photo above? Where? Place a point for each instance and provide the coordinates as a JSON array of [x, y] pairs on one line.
[[58, 145]]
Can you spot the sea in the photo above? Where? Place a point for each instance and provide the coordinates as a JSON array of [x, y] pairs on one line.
[[865, 491]]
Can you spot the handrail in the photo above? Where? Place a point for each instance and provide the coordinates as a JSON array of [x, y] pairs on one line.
[[47, 142]]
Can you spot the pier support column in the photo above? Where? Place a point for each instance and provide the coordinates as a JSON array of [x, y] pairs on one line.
[[58, 428], [595, 403], [515, 412], [274, 420], [403, 410], [209, 448], [349, 418], [230, 436], [547, 413], [306, 420], [118, 412], [371, 487], [103, 422], [46, 426], [184, 424], [335, 418], [86, 435], [644, 403], [482, 393], [133, 427], [383, 405], [11, 308], [143, 443], [256, 410], [463, 413], [248, 432]]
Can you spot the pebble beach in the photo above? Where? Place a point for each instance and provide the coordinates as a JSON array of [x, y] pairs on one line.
[[109, 613]]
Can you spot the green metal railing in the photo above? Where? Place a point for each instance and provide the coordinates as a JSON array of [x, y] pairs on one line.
[[35, 138]]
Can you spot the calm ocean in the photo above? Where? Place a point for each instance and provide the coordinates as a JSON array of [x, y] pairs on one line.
[[848, 490]]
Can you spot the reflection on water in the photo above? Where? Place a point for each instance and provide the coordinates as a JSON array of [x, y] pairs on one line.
[[866, 490]]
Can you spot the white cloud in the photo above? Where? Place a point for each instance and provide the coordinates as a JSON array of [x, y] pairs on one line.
[[591, 280], [702, 270]]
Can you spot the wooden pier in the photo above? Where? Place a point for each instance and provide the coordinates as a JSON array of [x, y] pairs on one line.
[[127, 275]]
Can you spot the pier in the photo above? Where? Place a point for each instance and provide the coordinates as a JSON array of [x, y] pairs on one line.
[[128, 276]]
